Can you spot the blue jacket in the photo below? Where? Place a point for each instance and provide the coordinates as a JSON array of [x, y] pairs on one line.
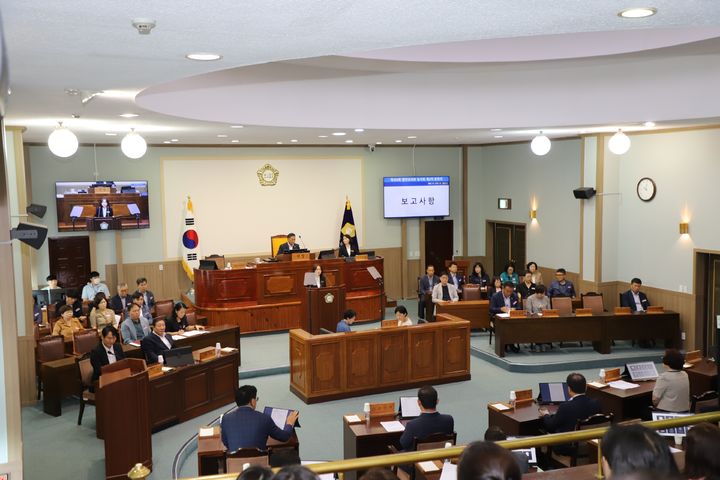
[[425, 425], [561, 290], [342, 327], [627, 300], [248, 428], [497, 302]]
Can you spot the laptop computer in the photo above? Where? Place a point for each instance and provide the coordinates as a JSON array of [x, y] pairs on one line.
[[555, 392], [178, 357], [409, 407]]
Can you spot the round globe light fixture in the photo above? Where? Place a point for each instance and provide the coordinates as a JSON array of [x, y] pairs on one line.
[[619, 143], [62, 142], [540, 145], [133, 145]]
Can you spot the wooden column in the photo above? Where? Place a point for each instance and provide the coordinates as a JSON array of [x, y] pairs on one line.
[[403, 257], [465, 154]]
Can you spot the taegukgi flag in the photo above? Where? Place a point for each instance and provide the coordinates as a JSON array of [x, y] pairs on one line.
[[190, 242]]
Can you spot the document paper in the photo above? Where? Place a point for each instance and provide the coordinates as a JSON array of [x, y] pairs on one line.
[[207, 431], [449, 471], [428, 466], [409, 407], [500, 406], [393, 426], [623, 385], [353, 419], [279, 416]]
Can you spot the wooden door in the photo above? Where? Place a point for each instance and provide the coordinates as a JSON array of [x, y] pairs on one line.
[[438, 243], [70, 260], [508, 244]]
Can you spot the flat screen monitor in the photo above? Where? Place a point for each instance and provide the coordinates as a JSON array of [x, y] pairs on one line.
[[178, 357], [78, 205], [556, 392], [410, 197], [208, 265]]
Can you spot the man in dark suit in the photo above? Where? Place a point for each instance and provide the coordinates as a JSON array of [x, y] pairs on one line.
[[504, 301], [72, 298], [427, 283], [157, 342], [120, 301], [108, 351], [634, 298], [579, 407], [455, 278], [148, 297], [430, 420], [245, 427], [289, 245]]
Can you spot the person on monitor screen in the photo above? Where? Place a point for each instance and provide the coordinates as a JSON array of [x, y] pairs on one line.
[[289, 245], [93, 287], [672, 387], [430, 420], [104, 210], [156, 342], [579, 407], [347, 320], [346, 249]]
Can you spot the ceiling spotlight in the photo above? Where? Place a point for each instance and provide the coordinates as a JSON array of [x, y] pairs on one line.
[[234, 141], [540, 145], [221, 135], [111, 134], [359, 130], [412, 136], [279, 143], [322, 136], [129, 115], [649, 124], [133, 145], [174, 140], [398, 141], [167, 141], [294, 140], [378, 143], [339, 134], [497, 136], [348, 141], [62, 142], [619, 143], [143, 25], [203, 57], [237, 126], [641, 12], [496, 129]]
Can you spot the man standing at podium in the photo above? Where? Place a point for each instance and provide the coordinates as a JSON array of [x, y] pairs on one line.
[[289, 245]]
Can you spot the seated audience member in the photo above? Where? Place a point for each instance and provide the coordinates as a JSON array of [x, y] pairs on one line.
[[245, 427], [108, 351], [347, 320], [135, 327], [256, 472], [509, 274], [177, 321], [634, 448], [346, 249], [72, 299], [289, 245], [455, 278], [148, 297], [579, 407], [504, 300], [156, 342], [52, 282], [485, 461], [634, 298], [538, 301], [430, 420], [560, 287], [495, 286], [100, 315], [672, 387], [94, 287], [496, 434], [527, 287], [67, 324], [120, 301], [138, 299], [427, 283], [702, 452], [319, 277], [104, 209], [401, 314], [536, 275], [379, 473], [479, 276], [295, 472], [444, 291]]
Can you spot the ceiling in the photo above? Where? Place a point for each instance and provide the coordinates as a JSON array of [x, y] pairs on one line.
[[441, 72]]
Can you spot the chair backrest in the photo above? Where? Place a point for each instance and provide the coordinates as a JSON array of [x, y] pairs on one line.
[[275, 242], [163, 308], [84, 341], [191, 318], [86, 307], [40, 331], [562, 304], [471, 292], [50, 348], [593, 302], [234, 461], [86, 371], [435, 440], [705, 402], [598, 420]]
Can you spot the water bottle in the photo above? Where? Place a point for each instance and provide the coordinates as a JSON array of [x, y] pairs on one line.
[[161, 360], [447, 460], [217, 349], [513, 397], [602, 375], [366, 410]]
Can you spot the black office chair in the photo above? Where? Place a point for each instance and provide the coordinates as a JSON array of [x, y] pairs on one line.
[[583, 449], [705, 402]]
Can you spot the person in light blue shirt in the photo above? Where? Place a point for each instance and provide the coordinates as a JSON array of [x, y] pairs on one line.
[[347, 320], [94, 287]]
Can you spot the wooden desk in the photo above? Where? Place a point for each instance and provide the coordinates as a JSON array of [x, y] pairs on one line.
[[367, 440], [703, 376], [521, 422], [624, 404], [271, 296], [211, 451], [61, 378], [474, 311], [342, 365], [664, 325]]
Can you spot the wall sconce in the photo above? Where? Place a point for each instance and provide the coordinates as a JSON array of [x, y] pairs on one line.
[[533, 214], [684, 228]]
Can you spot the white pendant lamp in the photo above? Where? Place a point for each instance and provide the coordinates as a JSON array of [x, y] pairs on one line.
[[62, 142], [619, 143], [133, 145], [540, 145]]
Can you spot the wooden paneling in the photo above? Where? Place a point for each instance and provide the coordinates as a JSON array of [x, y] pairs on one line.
[[393, 357], [167, 283], [70, 260], [197, 389], [392, 264], [456, 344], [223, 380], [280, 284], [325, 374], [424, 363], [414, 270], [361, 362], [165, 405], [367, 307], [474, 311], [26, 366]]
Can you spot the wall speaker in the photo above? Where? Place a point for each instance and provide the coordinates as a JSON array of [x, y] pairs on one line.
[[584, 193], [33, 235]]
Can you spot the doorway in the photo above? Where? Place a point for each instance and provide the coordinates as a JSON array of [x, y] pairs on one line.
[[505, 242], [70, 260], [438, 244]]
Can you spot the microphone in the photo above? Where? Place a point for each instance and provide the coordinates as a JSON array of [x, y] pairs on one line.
[[301, 241]]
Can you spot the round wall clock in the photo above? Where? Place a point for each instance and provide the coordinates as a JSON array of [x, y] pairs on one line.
[[646, 189]]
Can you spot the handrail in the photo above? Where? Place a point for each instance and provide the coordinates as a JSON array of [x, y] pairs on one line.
[[366, 463]]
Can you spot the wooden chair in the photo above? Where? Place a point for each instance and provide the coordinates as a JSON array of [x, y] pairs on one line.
[[163, 308], [471, 292], [582, 450], [85, 370], [234, 461], [593, 301], [705, 402], [47, 349], [84, 342]]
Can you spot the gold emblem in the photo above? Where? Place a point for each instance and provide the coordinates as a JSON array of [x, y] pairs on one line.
[[268, 175], [329, 297], [348, 229]]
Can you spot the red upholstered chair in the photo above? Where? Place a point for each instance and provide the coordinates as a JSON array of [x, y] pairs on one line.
[[593, 301], [163, 308], [47, 349], [471, 292]]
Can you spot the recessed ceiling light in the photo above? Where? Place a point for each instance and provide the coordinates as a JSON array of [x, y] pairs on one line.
[[129, 115], [167, 141], [641, 12], [348, 141], [294, 140], [203, 56], [279, 143], [111, 134], [237, 126], [649, 124], [174, 140], [359, 130], [322, 136], [378, 143], [497, 136], [412, 136], [496, 129], [339, 134], [398, 141], [235, 141], [221, 135]]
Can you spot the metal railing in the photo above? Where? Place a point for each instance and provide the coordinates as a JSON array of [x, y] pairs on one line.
[[365, 463]]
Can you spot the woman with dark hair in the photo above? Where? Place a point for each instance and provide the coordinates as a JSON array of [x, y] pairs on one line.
[[104, 209], [509, 274], [319, 279], [487, 460], [536, 275], [672, 388], [635, 448], [101, 315], [702, 452], [496, 286], [177, 321], [346, 249], [479, 276], [295, 472]]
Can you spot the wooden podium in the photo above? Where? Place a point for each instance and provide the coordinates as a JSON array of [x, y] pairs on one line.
[[325, 307], [123, 413]]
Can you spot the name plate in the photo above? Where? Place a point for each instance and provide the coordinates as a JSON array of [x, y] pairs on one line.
[[382, 409], [297, 257], [583, 312]]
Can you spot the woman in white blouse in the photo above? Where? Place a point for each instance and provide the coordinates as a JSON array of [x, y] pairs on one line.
[[319, 277], [401, 314], [346, 249]]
